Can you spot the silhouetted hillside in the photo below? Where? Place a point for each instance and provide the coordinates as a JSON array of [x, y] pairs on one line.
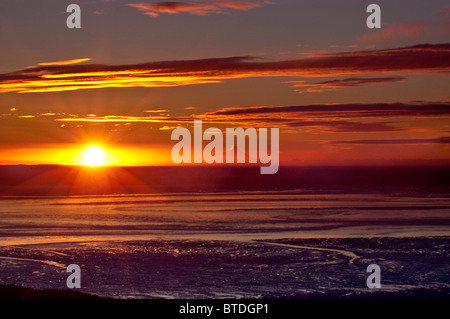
[[20, 292], [53, 180]]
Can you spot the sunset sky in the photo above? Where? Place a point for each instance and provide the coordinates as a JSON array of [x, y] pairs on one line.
[[341, 94]]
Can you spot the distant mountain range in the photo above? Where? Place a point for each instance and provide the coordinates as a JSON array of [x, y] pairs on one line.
[[54, 180]]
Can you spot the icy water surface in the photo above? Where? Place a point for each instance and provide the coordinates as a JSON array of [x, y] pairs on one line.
[[228, 245]]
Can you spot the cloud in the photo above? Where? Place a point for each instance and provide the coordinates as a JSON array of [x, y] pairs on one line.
[[243, 5], [437, 26], [50, 78], [157, 111], [326, 117], [341, 110], [294, 122], [332, 85], [440, 140], [376, 117], [396, 30], [118, 119], [167, 128], [344, 126], [327, 125], [196, 8], [65, 62]]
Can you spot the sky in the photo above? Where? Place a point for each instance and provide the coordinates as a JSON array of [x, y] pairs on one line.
[[340, 93]]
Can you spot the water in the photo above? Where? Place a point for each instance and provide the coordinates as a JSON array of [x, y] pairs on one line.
[[291, 244]]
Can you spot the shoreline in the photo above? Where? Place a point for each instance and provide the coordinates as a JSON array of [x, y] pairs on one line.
[[283, 269]]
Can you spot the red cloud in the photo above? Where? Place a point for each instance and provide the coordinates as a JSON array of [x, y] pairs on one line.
[[241, 5], [341, 83], [195, 8], [375, 110], [412, 31], [154, 9], [439, 140], [437, 26]]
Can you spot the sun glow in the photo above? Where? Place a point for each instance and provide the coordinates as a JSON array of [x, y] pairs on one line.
[[94, 156], [82, 155]]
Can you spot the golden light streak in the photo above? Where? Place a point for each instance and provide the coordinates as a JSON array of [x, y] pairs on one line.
[[43, 85], [64, 62], [114, 118], [135, 78], [88, 74]]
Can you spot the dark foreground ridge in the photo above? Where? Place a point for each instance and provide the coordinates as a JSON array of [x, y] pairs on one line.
[[11, 291], [54, 180]]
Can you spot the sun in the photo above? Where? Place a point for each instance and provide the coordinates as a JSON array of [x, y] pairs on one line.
[[94, 156]]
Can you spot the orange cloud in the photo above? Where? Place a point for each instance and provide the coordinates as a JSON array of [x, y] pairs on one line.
[[195, 8], [53, 78]]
